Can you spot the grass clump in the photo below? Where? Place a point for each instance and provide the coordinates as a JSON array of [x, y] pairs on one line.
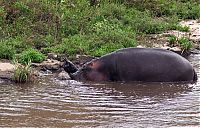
[[172, 40], [22, 73], [184, 43]]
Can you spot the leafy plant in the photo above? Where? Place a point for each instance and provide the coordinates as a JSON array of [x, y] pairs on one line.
[[6, 51], [2, 15], [31, 55], [22, 7]]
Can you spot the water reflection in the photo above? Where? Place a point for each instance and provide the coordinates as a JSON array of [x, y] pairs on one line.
[[139, 90]]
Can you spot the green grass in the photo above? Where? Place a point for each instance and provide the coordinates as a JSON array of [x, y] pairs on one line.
[[184, 43], [76, 27], [172, 40]]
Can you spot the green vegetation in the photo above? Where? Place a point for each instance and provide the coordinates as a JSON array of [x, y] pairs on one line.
[[172, 40], [22, 73], [31, 55], [184, 43], [6, 51], [81, 27]]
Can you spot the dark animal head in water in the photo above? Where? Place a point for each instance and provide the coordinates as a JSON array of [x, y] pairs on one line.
[[90, 72], [69, 67]]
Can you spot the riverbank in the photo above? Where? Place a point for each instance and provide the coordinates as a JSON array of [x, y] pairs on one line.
[[74, 29], [53, 65]]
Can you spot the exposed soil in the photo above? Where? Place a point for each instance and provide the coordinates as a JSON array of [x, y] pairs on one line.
[[161, 40], [193, 34]]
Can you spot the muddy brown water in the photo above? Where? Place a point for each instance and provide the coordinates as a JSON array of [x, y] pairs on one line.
[[53, 103]]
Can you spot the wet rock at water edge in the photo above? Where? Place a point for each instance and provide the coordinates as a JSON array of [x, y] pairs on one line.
[[52, 56], [177, 50], [64, 76], [6, 70]]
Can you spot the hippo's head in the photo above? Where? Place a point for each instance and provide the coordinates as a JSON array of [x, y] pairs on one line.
[[90, 72], [69, 67]]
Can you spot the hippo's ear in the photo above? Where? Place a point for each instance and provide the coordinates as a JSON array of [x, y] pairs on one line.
[[94, 64]]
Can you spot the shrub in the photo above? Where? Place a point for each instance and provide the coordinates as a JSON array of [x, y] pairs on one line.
[[22, 7], [188, 9], [6, 51], [42, 41], [31, 55], [142, 22], [77, 44], [2, 15]]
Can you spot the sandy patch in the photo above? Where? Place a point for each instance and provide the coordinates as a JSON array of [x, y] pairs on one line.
[[6, 67], [194, 31], [194, 26]]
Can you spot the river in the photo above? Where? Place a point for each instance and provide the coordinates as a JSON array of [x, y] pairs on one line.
[[54, 103]]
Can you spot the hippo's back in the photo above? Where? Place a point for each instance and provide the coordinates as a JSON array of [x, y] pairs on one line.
[[150, 65]]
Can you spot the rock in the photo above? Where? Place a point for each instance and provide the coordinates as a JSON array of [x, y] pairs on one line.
[[61, 57], [6, 75], [157, 45], [45, 72], [198, 21], [35, 64], [195, 51], [6, 70], [175, 49], [140, 46], [166, 47], [63, 76], [49, 64], [53, 56], [6, 67]]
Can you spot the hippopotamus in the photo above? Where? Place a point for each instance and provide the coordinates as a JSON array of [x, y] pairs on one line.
[[135, 64]]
